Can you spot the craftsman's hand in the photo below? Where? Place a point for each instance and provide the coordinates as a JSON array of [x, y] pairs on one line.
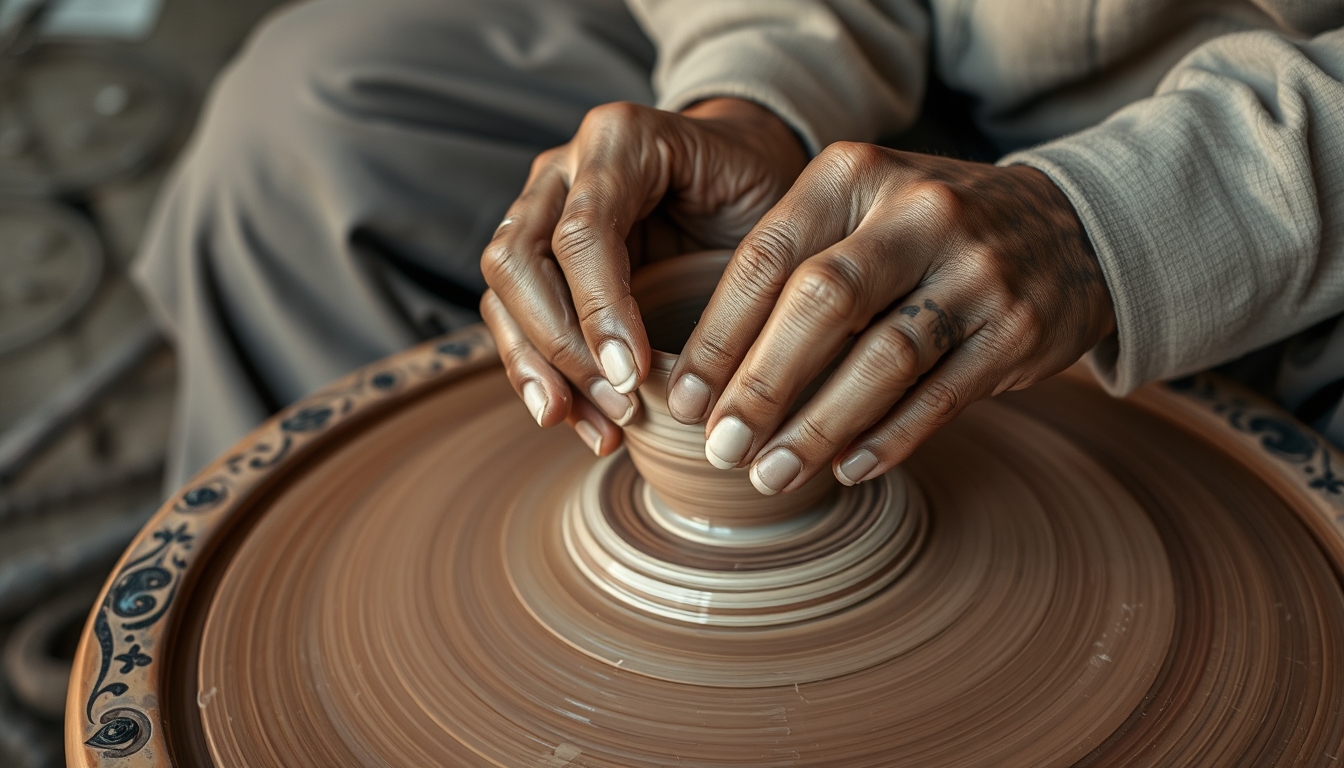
[[956, 281], [635, 183]]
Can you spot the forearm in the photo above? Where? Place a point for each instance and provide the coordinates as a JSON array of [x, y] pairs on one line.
[[1216, 207]]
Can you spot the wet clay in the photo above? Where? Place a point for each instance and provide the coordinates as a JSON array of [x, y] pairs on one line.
[[1057, 578]]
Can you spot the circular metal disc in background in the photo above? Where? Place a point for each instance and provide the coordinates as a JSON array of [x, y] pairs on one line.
[[50, 262], [72, 118]]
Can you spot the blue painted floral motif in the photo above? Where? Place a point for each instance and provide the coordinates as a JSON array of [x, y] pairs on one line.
[[140, 593], [132, 658], [103, 634], [144, 588], [1280, 436]]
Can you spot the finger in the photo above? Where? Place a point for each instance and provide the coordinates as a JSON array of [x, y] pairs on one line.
[[848, 187], [885, 362], [828, 299], [542, 388], [810, 217], [529, 284], [594, 429], [970, 373], [619, 175]]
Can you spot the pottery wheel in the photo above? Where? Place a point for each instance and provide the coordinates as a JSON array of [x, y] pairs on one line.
[[404, 570], [1109, 592]]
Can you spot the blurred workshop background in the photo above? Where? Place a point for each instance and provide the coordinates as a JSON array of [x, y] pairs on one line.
[[96, 98]]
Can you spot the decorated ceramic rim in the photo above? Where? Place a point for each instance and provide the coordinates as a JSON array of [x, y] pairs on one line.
[[135, 657]]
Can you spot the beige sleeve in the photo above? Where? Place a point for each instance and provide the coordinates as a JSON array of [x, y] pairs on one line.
[[833, 69], [1216, 206]]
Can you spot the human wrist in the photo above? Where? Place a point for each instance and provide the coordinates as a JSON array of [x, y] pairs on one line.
[[746, 115]]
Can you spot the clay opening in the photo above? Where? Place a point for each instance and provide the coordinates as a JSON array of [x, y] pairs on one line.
[[673, 294], [670, 325]]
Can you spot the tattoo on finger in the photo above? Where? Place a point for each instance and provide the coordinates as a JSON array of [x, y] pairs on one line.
[[946, 331]]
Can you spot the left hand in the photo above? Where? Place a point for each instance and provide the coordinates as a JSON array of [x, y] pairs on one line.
[[959, 281]]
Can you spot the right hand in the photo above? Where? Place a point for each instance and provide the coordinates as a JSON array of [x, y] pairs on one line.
[[635, 184]]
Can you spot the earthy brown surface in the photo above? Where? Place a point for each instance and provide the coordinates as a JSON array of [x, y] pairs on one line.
[[1058, 578], [1105, 584]]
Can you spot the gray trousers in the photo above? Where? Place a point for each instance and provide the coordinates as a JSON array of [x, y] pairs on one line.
[[347, 171]]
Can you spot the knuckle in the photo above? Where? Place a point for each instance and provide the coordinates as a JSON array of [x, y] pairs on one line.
[[498, 263], [893, 355], [759, 392], [613, 113], [574, 235], [814, 438], [712, 349], [567, 352], [852, 157], [1026, 321], [830, 290], [762, 262], [1020, 334], [985, 265], [515, 356], [933, 201], [940, 401], [546, 159]]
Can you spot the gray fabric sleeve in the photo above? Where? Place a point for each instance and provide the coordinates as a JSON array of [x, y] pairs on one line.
[[1216, 206], [833, 69]]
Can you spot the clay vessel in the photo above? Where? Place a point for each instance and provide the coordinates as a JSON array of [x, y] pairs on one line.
[[670, 455]]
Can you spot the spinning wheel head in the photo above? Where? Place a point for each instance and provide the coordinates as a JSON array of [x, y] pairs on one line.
[[1056, 578]]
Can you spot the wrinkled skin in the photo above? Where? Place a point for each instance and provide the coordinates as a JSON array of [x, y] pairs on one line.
[[953, 281], [635, 184]]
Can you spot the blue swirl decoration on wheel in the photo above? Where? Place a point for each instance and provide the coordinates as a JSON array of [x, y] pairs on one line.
[[310, 419], [125, 731], [203, 497], [1279, 436], [131, 596], [458, 349], [1282, 438], [138, 597]]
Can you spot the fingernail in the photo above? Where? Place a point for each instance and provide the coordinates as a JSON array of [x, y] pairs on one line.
[[773, 472], [618, 365], [856, 466], [589, 435], [689, 398], [534, 396], [728, 443], [619, 408]]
